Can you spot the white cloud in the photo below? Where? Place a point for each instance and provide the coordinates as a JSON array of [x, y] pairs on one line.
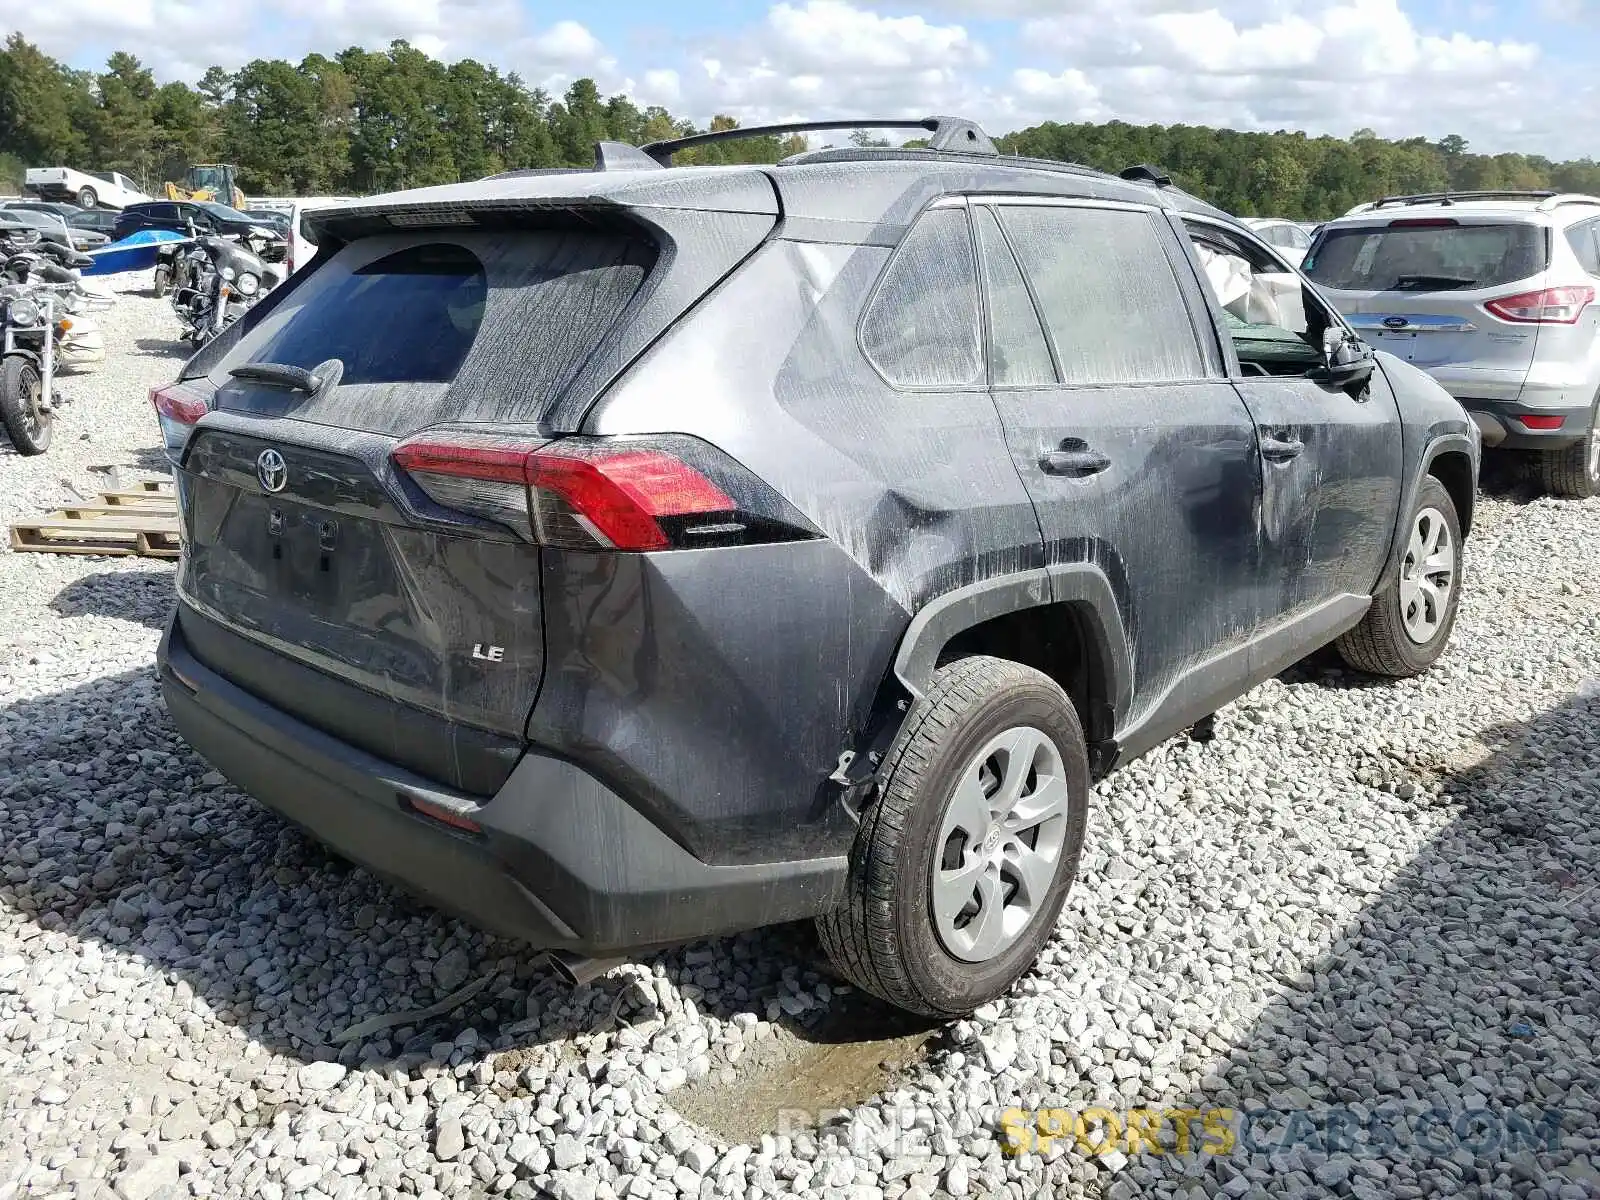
[[569, 42], [1325, 67], [833, 35]]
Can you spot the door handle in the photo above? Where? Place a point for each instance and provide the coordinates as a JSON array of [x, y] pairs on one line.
[[1281, 449], [1074, 458]]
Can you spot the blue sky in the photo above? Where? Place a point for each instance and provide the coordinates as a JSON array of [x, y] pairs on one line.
[[1506, 74]]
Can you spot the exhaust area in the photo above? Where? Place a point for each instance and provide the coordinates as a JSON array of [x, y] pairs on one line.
[[577, 970]]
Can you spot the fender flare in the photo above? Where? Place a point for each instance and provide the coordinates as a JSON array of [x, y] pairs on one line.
[[1082, 585], [1445, 443], [1450, 441]]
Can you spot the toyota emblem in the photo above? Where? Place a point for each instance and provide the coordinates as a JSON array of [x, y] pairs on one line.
[[272, 471]]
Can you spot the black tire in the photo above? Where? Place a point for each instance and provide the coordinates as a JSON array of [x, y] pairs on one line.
[[884, 938], [87, 198], [159, 284], [1574, 472], [27, 427], [1380, 645]]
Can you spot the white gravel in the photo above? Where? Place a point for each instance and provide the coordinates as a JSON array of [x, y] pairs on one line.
[[1375, 898]]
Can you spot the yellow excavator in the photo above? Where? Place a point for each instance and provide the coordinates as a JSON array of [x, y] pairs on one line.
[[208, 181]]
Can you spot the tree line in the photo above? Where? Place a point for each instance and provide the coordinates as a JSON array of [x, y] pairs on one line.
[[369, 121]]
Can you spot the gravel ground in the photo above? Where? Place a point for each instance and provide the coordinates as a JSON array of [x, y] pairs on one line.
[[1358, 904]]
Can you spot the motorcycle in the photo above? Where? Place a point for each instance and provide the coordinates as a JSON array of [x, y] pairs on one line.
[[215, 281], [40, 295]]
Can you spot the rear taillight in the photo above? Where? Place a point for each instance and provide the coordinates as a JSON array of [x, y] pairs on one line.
[[177, 409], [600, 493], [1552, 306]]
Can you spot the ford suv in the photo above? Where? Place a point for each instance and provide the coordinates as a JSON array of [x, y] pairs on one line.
[[1493, 294], [632, 555]]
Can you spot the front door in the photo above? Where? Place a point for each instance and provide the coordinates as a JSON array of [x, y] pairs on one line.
[[1331, 459], [1138, 453]]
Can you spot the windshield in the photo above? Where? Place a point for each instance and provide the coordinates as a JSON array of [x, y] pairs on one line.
[[1402, 257]]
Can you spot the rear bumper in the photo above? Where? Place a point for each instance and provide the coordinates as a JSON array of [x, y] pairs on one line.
[[562, 861], [1502, 428]]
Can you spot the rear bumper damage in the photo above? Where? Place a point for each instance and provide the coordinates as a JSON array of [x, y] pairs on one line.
[[560, 860]]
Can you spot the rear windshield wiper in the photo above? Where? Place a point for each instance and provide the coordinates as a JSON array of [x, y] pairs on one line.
[[296, 379], [1439, 283]]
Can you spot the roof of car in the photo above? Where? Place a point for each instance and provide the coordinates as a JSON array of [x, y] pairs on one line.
[[1512, 205], [874, 188]]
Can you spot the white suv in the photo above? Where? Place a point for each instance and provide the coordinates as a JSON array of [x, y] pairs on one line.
[[1494, 295]]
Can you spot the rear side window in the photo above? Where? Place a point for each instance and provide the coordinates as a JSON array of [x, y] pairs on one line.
[[922, 328], [442, 328], [1107, 292], [1584, 238], [1423, 256], [408, 317]]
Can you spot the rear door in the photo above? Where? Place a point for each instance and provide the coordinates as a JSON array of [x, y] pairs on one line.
[[1138, 453], [303, 539], [1416, 287]]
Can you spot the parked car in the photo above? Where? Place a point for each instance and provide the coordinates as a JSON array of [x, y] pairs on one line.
[[1290, 238], [1493, 294], [65, 211], [95, 220], [626, 557], [206, 216], [54, 228], [296, 213], [87, 189], [269, 216]]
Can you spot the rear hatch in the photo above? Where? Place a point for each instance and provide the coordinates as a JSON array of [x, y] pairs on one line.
[[321, 576], [1424, 288]]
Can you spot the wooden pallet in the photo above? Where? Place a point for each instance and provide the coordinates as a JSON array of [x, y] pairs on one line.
[[141, 520]]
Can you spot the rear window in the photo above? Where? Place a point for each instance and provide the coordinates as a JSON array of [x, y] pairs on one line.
[[408, 317], [479, 327], [1427, 258]]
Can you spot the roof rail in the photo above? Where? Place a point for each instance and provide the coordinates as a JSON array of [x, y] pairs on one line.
[[949, 134], [1454, 197], [1567, 198]]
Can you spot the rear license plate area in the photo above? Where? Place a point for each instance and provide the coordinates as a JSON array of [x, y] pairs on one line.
[[293, 548]]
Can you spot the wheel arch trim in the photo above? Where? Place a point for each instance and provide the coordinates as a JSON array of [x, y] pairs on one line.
[[1084, 586]]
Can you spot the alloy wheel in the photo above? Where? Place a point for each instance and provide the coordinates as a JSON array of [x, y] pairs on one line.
[[999, 845]]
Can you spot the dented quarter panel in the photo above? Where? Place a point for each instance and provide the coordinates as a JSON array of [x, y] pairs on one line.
[[716, 689], [916, 487]]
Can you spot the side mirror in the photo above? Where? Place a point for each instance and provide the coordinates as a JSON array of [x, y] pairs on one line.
[[1347, 361]]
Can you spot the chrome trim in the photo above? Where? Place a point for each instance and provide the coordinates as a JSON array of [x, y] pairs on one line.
[[1412, 323]]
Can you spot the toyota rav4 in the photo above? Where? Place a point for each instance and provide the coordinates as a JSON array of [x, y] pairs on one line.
[[626, 556]]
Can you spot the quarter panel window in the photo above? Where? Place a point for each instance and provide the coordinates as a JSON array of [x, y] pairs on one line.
[[923, 327], [1107, 293], [1585, 241]]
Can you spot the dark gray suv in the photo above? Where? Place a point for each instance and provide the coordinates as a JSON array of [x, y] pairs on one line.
[[626, 556]]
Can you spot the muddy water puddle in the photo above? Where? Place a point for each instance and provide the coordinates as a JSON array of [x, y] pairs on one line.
[[804, 1074]]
